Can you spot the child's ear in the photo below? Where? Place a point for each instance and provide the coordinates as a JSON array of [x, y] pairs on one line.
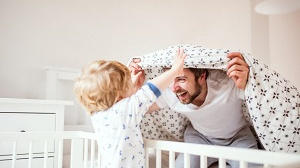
[[119, 97]]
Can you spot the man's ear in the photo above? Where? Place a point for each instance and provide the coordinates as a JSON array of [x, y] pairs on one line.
[[202, 78]]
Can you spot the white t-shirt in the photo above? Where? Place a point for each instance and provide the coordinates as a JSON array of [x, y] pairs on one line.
[[118, 130], [220, 116]]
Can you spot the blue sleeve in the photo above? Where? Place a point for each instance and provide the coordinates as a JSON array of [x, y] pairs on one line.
[[154, 89]]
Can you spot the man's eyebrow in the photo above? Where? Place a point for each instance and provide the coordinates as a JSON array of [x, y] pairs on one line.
[[180, 76]]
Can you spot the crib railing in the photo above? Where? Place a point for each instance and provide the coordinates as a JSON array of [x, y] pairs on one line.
[[84, 152], [264, 158], [83, 149]]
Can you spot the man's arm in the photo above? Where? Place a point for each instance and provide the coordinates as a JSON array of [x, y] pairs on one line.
[[238, 69]]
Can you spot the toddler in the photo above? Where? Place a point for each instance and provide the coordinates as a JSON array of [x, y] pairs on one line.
[[117, 101]]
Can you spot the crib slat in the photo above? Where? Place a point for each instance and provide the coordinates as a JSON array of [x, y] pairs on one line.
[[147, 157], [222, 163], [30, 155], [171, 159], [86, 143], [243, 164], [60, 153], [186, 160], [45, 154], [158, 158], [14, 154], [92, 153], [203, 161], [99, 157], [76, 160]]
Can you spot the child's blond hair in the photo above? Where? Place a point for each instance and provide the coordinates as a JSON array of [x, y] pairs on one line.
[[101, 84]]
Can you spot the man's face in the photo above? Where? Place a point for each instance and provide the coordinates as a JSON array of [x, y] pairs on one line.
[[186, 87]]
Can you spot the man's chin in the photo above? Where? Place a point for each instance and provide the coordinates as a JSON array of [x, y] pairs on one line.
[[184, 101]]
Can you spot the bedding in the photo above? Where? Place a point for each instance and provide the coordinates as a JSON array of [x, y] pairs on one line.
[[271, 102]]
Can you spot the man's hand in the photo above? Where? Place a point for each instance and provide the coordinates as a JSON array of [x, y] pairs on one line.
[[238, 69]]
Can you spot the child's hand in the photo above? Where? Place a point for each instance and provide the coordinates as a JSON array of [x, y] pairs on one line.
[[179, 61], [165, 79], [137, 74], [138, 78], [133, 66]]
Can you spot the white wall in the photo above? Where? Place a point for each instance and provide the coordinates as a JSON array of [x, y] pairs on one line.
[[71, 33], [276, 41], [285, 45], [260, 35]]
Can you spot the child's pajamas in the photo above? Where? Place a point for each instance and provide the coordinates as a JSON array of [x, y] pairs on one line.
[[118, 129]]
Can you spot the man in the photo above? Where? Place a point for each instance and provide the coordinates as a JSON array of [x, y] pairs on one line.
[[213, 103]]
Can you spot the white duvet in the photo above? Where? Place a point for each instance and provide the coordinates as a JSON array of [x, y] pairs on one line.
[[271, 102]]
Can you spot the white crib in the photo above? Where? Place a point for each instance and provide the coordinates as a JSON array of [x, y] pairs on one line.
[[84, 151]]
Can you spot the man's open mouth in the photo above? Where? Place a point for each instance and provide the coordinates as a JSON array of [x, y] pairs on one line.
[[181, 95]]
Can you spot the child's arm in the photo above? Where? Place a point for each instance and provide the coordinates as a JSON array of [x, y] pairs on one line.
[[164, 80]]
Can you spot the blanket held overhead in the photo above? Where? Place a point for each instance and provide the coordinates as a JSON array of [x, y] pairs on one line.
[[271, 102]]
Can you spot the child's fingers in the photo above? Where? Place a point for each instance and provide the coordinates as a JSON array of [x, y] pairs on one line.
[[134, 66], [136, 60], [182, 55], [179, 57], [139, 74], [179, 53]]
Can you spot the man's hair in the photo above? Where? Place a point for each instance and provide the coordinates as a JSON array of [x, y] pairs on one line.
[[198, 72], [100, 84]]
